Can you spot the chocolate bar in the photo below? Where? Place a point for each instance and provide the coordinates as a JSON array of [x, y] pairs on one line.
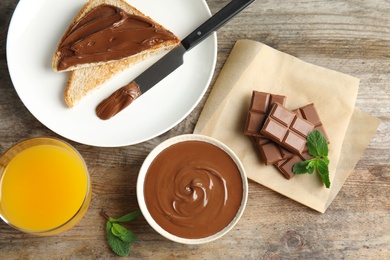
[[287, 129], [260, 105], [310, 113], [299, 122], [272, 153]]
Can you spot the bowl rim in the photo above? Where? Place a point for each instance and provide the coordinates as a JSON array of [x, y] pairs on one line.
[[142, 174]]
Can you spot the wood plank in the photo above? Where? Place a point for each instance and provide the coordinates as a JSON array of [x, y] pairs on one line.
[[352, 37]]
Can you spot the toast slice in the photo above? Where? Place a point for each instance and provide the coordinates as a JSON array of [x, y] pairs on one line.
[[84, 81], [86, 77]]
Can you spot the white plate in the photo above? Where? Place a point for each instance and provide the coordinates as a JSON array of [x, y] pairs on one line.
[[35, 30]]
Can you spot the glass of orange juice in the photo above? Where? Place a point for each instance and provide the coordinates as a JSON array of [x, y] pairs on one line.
[[45, 188]]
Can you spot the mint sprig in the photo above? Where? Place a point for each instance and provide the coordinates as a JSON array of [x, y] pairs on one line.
[[120, 238], [318, 148]]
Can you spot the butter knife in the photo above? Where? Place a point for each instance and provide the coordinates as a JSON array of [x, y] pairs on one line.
[[125, 95]]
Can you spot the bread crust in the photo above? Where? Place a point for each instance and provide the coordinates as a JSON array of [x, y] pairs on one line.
[[85, 78]]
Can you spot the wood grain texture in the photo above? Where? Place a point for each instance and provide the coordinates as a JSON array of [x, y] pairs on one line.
[[350, 36]]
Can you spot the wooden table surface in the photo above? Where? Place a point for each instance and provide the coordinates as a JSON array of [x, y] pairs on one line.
[[350, 36]]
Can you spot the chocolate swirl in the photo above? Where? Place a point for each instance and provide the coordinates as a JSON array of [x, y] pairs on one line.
[[193, 189], [196, 190]]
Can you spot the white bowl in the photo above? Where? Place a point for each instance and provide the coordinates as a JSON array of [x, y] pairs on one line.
[[144, 169]]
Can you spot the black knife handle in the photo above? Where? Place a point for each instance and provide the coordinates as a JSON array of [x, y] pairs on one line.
[[214, 22]]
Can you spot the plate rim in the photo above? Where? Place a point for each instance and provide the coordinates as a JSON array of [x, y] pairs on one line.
[[123, 141]]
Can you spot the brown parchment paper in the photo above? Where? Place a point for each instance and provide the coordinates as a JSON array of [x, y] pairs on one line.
[[255, 66]]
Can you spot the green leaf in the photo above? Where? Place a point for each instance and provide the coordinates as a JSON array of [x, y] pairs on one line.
[[122, 233], [303, 167], [120, 247], [118, 230], [318, 148], [108, 227], [300, 167], [311, 167], [131, 237], [326, 160], [120, 238], [317, 144], [323, 171], [128, 217]]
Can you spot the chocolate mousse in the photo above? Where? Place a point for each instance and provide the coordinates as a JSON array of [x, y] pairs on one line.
[[193, 189]]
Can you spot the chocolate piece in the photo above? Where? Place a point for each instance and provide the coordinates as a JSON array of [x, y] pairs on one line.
[[310, 113], [287, 129], [285, 166], [260, 105], [271, 152]]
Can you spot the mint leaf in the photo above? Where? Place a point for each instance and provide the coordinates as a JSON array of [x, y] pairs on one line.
[[318, 148], [317, 144], [122, 233], [300, 167], [117, 245], [311, 167], [326, 160], [120, 238], [307, 166], [128, 217], [323, 171]]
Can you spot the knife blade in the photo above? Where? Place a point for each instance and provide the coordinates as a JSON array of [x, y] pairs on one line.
[[125, 95]]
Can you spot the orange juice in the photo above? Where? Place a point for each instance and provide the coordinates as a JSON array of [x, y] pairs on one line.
[[44, 187]]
